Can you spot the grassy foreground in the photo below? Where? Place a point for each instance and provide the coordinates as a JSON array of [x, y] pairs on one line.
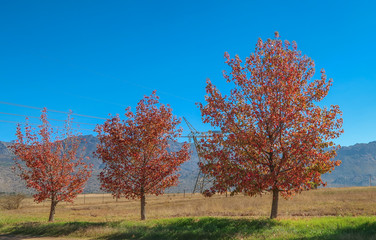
[[338, 213], [203, 228]]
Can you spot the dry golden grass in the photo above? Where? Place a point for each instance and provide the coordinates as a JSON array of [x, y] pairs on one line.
[[102, 207]]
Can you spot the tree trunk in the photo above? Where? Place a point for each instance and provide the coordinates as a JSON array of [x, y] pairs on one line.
[[274, 212], [142, 204], [52, 210]]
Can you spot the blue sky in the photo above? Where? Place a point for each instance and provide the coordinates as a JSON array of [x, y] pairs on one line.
[[98, 57]]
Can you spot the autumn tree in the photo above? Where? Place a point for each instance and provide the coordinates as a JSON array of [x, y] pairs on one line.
[[136, 151], [274, 137], [50, 163]]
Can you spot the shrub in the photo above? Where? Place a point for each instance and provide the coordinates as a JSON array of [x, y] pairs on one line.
[[9, 202]]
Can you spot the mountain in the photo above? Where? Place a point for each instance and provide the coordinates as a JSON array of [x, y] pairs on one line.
[[10, 182], [358, 165]]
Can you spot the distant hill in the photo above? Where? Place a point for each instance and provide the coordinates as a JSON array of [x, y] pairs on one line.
[[9, 182], [358, 164]]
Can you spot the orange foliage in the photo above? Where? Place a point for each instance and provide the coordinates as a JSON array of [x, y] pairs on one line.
[[50, 163], [135, 151], [273, 137]]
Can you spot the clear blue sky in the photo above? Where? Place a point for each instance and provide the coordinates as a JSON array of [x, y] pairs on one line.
[[98, 57]]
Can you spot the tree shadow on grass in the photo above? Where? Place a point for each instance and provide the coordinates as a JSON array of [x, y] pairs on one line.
[[166, 229], [191, 228], [53, 229]]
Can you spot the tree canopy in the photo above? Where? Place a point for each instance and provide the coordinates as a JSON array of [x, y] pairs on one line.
[[274, 135]]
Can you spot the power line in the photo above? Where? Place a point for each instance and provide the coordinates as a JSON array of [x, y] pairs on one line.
[[39, 124], [20, 115], [8, 121], [51, 110]]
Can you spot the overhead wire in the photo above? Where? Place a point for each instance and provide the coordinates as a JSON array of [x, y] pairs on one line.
[[53, 119], [51, 110], [83, 115], [39, 124]]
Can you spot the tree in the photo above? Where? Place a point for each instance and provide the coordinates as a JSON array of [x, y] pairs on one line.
[[274, 138], [135, 151], [50, 163]]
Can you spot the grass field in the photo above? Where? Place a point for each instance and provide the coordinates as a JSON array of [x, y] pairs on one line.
[[341, 213]]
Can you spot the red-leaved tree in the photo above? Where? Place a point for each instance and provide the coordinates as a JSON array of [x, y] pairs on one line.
[[136, 151], [274, 138], [50, 162]]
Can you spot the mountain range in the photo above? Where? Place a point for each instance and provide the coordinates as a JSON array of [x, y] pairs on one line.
[[358, 168]]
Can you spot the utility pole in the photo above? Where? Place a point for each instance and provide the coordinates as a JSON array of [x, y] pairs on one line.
[[370, 180], [202, 179]]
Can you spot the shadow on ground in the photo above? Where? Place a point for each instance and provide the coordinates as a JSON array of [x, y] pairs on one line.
[[195, 228], [204, 228], [184, 228], [52, 229]]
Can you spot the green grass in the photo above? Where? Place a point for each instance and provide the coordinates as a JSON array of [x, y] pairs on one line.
[[202, 228]]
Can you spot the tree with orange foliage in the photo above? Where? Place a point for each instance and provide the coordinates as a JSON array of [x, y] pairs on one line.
[[135, 151], [274, 138], [50, 162]]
